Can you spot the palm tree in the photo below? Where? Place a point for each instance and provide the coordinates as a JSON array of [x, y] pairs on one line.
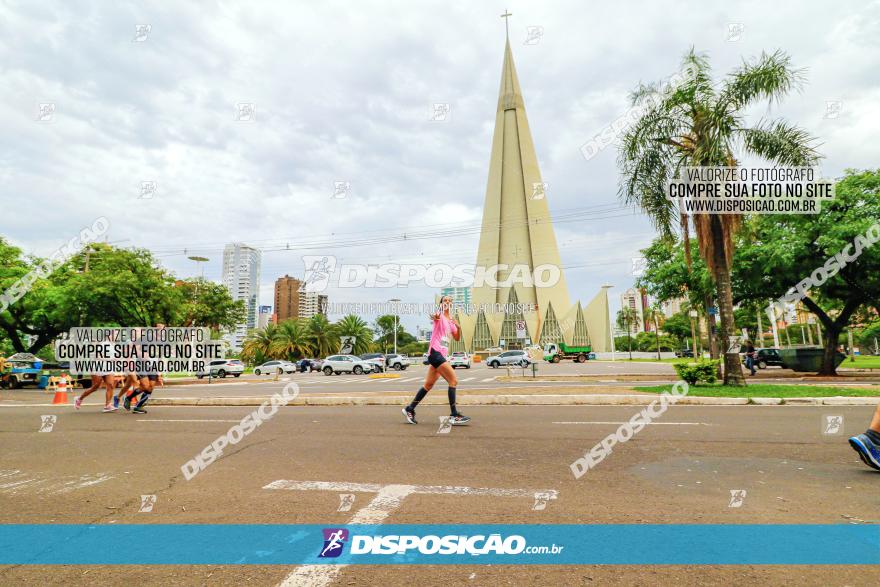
[[255, 349], [696, 124], [322, 335], [291, 340], [625, 318], [352, 325], [655, 314]]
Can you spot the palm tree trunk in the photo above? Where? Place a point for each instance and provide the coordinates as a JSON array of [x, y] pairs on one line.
[[733, 374], [657, 336]]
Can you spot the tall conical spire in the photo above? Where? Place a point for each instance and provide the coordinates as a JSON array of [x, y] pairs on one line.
[[517, 228]]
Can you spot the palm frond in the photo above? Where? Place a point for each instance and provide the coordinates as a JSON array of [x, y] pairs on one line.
[[769, 77], [780, 142]]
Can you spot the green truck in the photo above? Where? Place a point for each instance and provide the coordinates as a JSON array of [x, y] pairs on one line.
[[554, 352]]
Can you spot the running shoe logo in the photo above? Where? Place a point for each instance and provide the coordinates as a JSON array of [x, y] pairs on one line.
[[334, 542], [318, 269]]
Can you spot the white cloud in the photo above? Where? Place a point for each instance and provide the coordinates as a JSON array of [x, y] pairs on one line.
[[342, 92]]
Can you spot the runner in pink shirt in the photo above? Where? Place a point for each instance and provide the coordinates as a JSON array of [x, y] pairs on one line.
[[444, 327]]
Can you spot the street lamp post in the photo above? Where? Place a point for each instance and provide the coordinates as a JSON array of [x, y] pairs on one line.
[[610, 325], [395, 301]]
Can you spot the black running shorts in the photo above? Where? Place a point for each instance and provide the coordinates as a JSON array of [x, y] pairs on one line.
[[435, 358]]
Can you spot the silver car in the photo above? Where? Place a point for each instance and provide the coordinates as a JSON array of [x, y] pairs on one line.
[[520, 358]]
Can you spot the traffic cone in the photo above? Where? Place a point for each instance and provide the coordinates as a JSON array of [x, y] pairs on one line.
[[61, 391]]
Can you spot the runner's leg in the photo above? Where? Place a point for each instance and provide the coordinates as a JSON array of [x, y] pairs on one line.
[[448, 373]]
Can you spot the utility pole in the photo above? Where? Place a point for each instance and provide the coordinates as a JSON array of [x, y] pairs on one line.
[[760, 327]]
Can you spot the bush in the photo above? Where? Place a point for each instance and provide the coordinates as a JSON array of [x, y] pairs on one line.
[[699, 371]]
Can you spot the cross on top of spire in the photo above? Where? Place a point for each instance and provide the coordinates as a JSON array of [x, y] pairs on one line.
[[506, 16]]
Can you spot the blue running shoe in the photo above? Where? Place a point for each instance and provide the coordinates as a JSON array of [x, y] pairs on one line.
[[116, 402], [867, 449]]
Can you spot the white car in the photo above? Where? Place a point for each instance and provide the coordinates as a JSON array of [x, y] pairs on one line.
[[397, 362], [223, 367], [520, 358], [346, 364], [275, 367], [460, 359]]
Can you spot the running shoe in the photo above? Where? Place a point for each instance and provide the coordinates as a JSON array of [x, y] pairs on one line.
[[409, 414], [459, 420], [78, 402], [868, 450], [127, 403], [108, 409], [116, 402], [137, 410]]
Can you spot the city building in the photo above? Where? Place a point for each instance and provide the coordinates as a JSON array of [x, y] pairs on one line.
[[461, 296], [635, 300], [264, 318], [672, 307], [287, 296], [311, 303], [423, 334], [517, 232], [241, 276]]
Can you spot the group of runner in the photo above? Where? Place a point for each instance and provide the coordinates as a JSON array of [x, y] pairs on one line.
[[133, 385]]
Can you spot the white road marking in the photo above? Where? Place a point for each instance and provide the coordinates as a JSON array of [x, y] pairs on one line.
[[647, 423], [14, 480], [409, 379], [489, 379], [196, 420], [468, 379], [388, 498]]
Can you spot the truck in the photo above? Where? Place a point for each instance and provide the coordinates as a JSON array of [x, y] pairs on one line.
[[555, 352]]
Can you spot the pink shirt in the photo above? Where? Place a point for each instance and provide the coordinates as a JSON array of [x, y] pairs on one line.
[[443, 327]]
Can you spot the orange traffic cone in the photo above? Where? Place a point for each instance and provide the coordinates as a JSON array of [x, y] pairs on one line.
[[61, 391]]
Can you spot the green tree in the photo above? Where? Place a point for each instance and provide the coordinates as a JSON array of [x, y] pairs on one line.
[[208, 304], [626, 317], [352, 325], [256, 348], [99, 286], [679, 326], [697, 124], [322, 335], [291, 340], [654, 315], [779, 253]]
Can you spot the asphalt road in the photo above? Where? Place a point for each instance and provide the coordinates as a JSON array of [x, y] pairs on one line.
[[478, 378], [94, 468]]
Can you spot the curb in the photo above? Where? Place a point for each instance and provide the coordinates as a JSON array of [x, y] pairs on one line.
[[520, 400]]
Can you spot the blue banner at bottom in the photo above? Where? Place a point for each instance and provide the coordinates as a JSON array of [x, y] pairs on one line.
[[514, 544]]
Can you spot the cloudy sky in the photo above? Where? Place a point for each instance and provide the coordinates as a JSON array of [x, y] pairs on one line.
[[343, 92]]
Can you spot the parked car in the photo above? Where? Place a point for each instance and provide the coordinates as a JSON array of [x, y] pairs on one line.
[[766, 358], [520, 358], [377, 359], [346, 364], [308, 365], [685, 353], [460, 359], [275, 367], [223, 367], [397, 362]]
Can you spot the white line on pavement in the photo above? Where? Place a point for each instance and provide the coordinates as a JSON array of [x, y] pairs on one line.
[[388, 498], [647, 423], [488, 379], [468, 379], [197, 420]]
